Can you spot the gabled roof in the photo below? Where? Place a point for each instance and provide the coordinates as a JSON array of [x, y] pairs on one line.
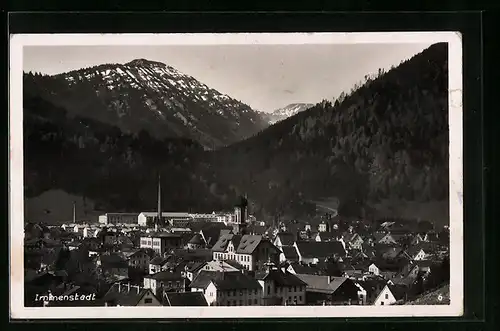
[[197, 239], [245, 244], [186, 299], [373, 285], [300, 268], [125, 295], [165, 276], [225, 280], [212, 232], [324, 284], [399, 291], [281, 278], [290, 253], [113, 261], [286, 238], [320, 250], [158, 261]]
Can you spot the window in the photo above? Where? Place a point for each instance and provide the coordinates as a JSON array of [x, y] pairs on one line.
[[300, 297], [295, 288], [255, 301], [387, 296], [241, 302], [382, 303], [241, 293], [268, 288], [249, 302], [148, 300]]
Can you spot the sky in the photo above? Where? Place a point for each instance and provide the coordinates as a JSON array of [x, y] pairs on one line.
[[266, 77]]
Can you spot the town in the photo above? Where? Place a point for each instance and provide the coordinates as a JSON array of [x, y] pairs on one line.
[[231, 259]]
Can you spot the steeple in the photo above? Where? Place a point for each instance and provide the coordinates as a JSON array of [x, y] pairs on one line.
[[158, 217]]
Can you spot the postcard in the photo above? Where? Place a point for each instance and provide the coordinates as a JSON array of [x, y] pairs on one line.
[[236, 175]]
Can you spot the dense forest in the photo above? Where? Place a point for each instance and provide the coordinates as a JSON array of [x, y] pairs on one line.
[[119, 171], [387, 139]]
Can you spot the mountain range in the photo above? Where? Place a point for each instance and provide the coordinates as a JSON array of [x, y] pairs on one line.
[[151, 96], [384, 144], [285, 112]]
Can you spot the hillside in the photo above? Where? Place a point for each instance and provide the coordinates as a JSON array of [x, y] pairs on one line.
[[387, 141], [88, 159], [439, 296], [151, 96]]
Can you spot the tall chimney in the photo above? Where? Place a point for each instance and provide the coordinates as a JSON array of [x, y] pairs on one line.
[[74, 212], [119, 287], [159, 203], [128, 287]]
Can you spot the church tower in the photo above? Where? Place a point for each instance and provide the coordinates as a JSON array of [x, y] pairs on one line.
[[240, 215]]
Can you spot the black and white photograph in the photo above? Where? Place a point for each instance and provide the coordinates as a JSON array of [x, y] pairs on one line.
[[214, 175]]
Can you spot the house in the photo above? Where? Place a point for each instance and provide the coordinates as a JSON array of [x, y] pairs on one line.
[[157, 264], [329, 290], [147, 218], [354, 241], [196, 242], [186, 299], [387, 239], [165, 281], [130, 295], [327, 236], [212, 232], [93, 244], [138, 259], [118, 218], [314, 252], [289, 253], [161, 243], [228, 288], [417, 239], [381, 268], [113, 265], [415, 253], [372, 287], [251, 251], [390, 295], [281, 287], [284, 239], [192, 269], [222, 266]]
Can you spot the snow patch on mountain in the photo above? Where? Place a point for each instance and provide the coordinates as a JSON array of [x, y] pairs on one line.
[[288, 111]]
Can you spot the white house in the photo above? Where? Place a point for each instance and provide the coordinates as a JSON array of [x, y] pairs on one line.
[[373, 269], [390, 295], [228, 288], [282, 287]]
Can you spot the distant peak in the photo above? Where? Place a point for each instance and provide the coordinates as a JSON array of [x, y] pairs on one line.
[[144, 62]]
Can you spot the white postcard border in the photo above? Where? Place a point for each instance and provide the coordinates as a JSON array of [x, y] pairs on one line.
[[16, 202]]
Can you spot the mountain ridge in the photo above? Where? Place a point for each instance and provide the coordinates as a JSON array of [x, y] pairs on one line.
[[149, 95]]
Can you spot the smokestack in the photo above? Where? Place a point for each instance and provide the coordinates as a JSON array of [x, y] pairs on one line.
[[159, 203], [74, 212], [128, 287]]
